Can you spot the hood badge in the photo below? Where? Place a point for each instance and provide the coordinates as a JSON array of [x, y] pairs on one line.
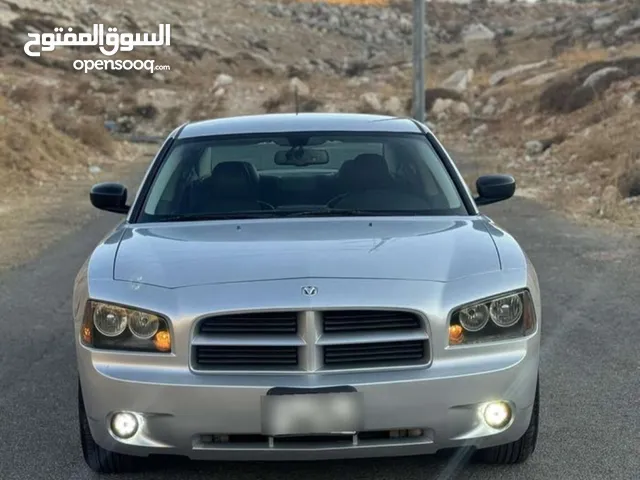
[[309, 290]]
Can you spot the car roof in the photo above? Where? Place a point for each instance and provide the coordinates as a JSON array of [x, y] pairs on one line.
[[302, 122]]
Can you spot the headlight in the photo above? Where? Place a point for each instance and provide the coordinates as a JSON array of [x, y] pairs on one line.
[[502, 317], [113, 327]]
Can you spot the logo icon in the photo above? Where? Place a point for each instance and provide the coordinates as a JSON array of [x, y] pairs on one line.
[[309, 290]]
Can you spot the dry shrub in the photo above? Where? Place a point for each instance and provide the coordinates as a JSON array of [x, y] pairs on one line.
[[93, 134], [311, 105], [594, 148], [207, 108], [129, 98], [93, 104], [90, 132], [272, 104], [147, 111], [173, 116], [554, 97], [629, 182], [30, 93], [108, 88], [578, 57], [31, 149], [76, 93], [483, 60], [628, 174]]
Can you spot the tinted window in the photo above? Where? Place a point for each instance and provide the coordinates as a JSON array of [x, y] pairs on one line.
[[386, 173]]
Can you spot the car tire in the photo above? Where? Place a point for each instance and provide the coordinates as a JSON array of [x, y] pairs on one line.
[[520, 450], [97, 458]]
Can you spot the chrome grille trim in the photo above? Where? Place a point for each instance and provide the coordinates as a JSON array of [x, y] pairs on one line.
[[312, 342]]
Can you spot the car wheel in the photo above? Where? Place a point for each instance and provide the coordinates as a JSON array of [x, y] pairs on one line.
[[520, 450], [96, 457]]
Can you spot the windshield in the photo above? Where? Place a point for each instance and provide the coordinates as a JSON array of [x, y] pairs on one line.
[[298, 175]]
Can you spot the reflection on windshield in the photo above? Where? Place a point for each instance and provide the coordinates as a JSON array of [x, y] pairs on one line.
[[303, 175]]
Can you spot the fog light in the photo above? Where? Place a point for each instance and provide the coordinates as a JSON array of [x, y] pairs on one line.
[[124, 425], [497, 414]]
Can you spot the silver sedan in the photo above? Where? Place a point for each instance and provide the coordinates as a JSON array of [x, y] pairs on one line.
[[300, 287]]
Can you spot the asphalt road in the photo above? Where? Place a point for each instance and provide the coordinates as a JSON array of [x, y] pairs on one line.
[[590, 382]]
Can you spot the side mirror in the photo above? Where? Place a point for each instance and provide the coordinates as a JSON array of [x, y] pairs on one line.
[[111, 197], [494, 188]]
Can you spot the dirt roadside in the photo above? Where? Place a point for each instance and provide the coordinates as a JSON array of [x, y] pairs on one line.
[[30, 223]]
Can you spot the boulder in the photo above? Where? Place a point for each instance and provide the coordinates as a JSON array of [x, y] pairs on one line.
[[458, 80], [159, 98], [498, 77], [461, 109], [393, 106], [534, 147], [601, 79], [629, 100], [298, 86], [369, 103], [508, 105], [480, 130], [542, 78], [489, 110], [603, 23], [223, 80], [477, 32], [441, 105], [628, 29]]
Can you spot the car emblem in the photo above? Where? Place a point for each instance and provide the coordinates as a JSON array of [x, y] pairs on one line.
[[309, 291]]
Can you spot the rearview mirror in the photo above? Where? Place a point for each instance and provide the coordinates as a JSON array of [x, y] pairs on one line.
[[111, 197], [301, 157], [494, 188]]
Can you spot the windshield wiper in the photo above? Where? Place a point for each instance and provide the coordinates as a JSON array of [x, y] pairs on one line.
[[195, 217], [343, 212]]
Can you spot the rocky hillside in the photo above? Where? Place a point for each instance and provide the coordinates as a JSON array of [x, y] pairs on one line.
[[549, 91]]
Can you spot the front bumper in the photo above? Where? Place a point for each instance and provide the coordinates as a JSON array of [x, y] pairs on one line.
[[182, 410]]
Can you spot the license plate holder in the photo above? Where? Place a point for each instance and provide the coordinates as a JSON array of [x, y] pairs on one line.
[[314, 413]]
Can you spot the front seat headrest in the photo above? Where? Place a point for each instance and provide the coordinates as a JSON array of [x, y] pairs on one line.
[[234, 180], [368, 170]]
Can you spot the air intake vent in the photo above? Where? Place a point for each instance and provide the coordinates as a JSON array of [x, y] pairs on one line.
[[372, 354], [263, 323], [368, 320], [245, 356]]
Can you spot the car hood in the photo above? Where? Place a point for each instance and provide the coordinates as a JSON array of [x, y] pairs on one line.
[[198, 253]]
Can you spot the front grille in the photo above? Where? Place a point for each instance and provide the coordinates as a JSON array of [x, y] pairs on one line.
[[368, 320], [380, 353], [310, 341], [251, 323], [212, 357]]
